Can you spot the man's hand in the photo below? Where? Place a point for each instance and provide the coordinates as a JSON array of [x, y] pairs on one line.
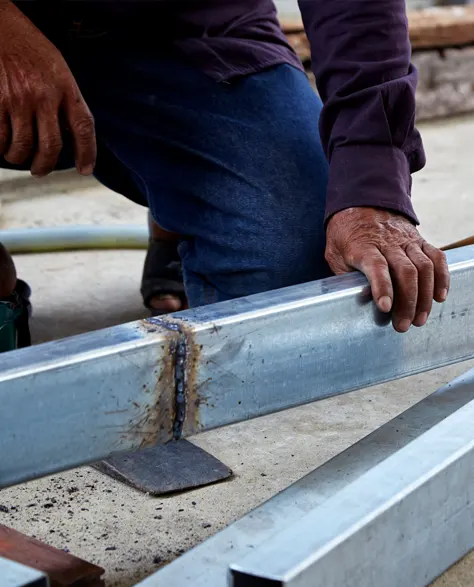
[[404, 271], [38, 93], [7, 274]]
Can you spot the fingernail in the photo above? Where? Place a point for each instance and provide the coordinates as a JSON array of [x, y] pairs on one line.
[[385, 304], [443, 295], [421, 319], [403, 325], [87, 170]]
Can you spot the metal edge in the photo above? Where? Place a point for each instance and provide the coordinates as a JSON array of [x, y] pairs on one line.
[[207, 565], [407, 519], [13, 574]]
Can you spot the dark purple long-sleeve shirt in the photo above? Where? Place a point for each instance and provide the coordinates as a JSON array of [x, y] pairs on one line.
[[361, 59]]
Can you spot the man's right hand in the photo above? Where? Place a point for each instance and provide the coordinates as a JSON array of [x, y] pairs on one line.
[[39, 99]]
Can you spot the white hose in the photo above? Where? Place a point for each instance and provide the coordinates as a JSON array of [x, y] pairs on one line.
[[74, 238]]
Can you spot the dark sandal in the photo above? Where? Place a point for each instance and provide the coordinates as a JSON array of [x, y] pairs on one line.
[[162, 274]]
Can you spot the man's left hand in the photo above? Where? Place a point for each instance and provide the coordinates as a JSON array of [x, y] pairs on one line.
[[404, 271]]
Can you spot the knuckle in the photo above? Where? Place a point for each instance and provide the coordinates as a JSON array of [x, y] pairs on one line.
[[84, 127], [51, 145], [25, 100], [377, 263], [437, 256], [334, 262], [329, 255], [441, 257], [408, 273], [16, 101], [353, 254], [22, 144], [46, 94], [24, 97], [425, 265]]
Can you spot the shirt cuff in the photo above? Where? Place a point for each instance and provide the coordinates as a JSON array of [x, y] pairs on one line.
[[376, 176]]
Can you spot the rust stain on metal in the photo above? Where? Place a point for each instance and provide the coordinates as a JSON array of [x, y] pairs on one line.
[[192, 423], [154, 422], [166, 416]]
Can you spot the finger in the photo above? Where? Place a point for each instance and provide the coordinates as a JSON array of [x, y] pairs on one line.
[[405, 284], [425, 269], [5, 132], [375, 267], [22, 138], [81, 126], [441, 271], [49, 142]]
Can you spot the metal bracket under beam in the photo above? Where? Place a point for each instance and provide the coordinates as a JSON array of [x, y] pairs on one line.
[[13, 574], [396, 508], [79, 400]]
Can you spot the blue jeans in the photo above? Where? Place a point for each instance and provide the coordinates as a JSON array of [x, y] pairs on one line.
[[236, 168]]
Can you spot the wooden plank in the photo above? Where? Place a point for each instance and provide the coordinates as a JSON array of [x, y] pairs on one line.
[[449, 26], [432, 28], [63, 569]]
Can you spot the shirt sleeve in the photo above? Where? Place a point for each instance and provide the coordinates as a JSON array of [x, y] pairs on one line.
[[361, 59]]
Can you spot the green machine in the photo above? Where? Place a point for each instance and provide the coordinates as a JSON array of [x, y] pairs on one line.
[[14, 315]]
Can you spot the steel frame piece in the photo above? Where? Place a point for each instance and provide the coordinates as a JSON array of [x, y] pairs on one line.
[[13, 574], [78, 400], [394, 509], [397, 504]]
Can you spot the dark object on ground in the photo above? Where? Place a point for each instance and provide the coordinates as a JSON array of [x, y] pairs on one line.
[[15, 311], [175, 466]]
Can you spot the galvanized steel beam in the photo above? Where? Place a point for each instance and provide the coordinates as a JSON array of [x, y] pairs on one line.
[[403, 522], [396, 508], [77, 400], [15, 575], [81, 399]]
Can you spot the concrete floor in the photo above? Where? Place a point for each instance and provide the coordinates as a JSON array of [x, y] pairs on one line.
[[131, 534]]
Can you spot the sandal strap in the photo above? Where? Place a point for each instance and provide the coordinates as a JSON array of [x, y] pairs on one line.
[[162, 273]]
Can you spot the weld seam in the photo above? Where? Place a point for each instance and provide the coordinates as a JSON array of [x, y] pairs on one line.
[[180, 355]]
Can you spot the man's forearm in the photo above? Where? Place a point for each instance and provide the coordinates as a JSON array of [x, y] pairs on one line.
[[361, 60]]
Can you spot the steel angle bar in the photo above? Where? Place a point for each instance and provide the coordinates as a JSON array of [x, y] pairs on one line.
[[81, 399], [15, 575], [406, 520], [446, 525]]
